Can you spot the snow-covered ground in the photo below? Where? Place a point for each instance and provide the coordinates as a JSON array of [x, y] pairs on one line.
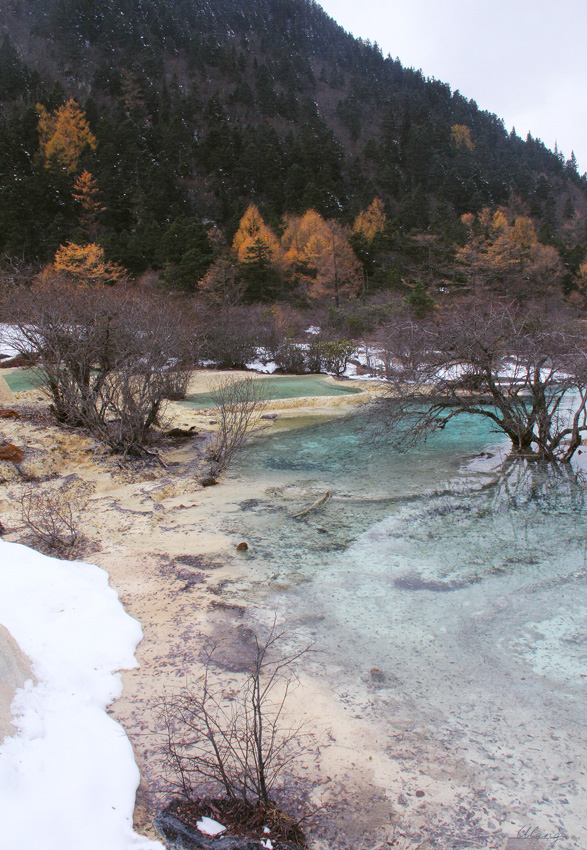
[[68, 777]]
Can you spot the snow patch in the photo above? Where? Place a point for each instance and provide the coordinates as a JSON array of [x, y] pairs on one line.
[[68, 777], [210, 827]]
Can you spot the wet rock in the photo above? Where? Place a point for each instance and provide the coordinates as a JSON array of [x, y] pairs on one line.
[[377, 675], [179, 836], [413, 581], [243, 547], [196, 562]]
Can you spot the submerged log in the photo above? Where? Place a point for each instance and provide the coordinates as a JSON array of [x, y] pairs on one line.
[[313, 507]]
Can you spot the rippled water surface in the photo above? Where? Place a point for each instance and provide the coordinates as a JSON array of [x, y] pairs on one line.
[[447, 593]]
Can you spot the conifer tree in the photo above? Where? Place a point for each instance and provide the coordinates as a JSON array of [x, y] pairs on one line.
[[85, 192]]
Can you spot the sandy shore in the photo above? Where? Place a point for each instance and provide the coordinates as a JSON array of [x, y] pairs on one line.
[[160, 536]]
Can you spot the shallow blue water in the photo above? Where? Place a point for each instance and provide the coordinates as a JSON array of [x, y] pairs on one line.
[[449, 604]]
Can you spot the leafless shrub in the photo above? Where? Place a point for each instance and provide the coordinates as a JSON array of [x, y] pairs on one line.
[[53, 515], [230, 340], [237, 744], [239, 402], [14, 273], [235, 335]]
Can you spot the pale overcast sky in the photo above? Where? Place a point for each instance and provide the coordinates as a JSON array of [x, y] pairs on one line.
[[524, 60]]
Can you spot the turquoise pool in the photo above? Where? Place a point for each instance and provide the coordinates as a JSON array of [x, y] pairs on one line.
[[286, 386]]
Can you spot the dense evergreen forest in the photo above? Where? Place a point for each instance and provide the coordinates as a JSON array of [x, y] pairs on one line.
[[147, 130]]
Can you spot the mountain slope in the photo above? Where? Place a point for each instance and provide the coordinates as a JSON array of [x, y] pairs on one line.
[[200, 106]]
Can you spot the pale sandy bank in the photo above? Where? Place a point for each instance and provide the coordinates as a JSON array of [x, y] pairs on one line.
[[162, 538]]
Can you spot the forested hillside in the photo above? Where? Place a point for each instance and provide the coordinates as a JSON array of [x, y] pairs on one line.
[[147, 128]]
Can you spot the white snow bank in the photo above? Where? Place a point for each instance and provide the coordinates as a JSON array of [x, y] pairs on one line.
[[9, 337], [268, 367], [68, 777]]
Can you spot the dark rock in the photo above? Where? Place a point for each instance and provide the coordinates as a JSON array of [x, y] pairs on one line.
[[179, 836], [9, 414], [208, 482], [182, 433], [242, 547]]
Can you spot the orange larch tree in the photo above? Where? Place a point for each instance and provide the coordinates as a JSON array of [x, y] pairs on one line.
[[64, 134], [251, 232], [85, 264], [461, 137], [508, 255], [371, 221], [320, 252]]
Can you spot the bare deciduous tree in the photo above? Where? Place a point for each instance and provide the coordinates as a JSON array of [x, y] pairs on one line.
[[523, 372], [239, 402]]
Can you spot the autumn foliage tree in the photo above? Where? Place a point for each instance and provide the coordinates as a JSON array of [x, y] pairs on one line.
[[371, 221], [252, 232], [64, 134], [320, 253], [367, 228], [258, 252], [508, 255], [85, 264], [461, 137]]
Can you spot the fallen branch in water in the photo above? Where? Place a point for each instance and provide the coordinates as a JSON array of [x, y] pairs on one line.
[[313, 507]]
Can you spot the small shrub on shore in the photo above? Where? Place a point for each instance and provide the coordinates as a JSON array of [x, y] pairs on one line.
[[238, 405], [236, 744], [53, 515]]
